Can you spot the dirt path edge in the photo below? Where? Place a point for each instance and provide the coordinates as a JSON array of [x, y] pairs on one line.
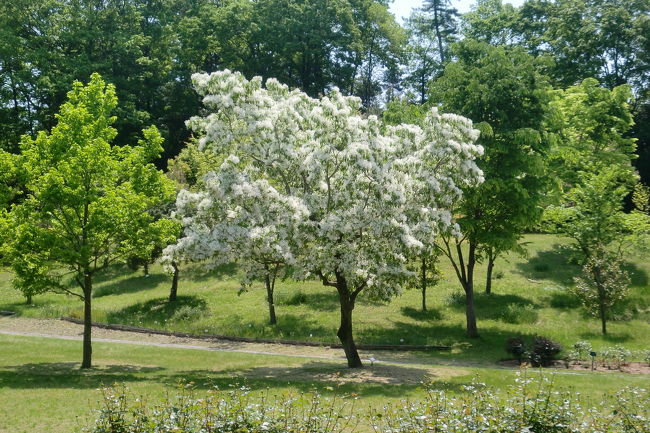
[[213, 337]]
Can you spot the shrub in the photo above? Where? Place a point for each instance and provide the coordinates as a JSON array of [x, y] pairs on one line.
[[615, 356], [581, 351], [188, 313], [517, 314], [516, 347], [499, 275], [298, 298], [531, 405], [543, 351], [456, 299], [235, 411]]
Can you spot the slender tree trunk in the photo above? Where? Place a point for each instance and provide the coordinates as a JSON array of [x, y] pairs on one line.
[[174, 290], [146, 269], [436, 23], [270, 287], [87, 342], [470, 314], [423, 267], [490, 266], [465, 274], [602, 310], [344, 333]]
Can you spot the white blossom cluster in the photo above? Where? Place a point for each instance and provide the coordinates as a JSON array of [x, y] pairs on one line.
[[314, 184]]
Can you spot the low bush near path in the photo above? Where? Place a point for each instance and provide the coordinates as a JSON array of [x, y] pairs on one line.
[[530, 405]]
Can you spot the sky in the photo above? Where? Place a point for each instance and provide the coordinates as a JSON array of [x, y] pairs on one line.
[[402, 8]]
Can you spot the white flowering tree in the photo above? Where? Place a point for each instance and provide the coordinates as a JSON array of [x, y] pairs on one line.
[[313, 183]]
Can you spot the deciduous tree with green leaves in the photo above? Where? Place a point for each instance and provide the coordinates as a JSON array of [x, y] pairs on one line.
[[592, 159], [602, 285], [503, 92], [86, 201]]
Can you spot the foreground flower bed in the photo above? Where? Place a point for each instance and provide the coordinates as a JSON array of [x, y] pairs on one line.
[[530, 405]]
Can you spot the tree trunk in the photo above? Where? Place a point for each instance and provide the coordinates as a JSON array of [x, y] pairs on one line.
[[344, 333], [270, 286], [488, 279], [424, 283], [436, 23], [174, 290], [602, 310], [87, 343], [29, 300], [146, 269], [470, 314]]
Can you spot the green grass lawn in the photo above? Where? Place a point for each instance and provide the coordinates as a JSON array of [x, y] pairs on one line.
[[42, 388], [531, 289]]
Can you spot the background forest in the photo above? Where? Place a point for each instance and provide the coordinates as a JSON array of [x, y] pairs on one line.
[[149, 49]]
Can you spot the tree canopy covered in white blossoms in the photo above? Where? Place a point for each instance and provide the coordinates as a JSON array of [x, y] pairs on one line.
[[318, 186]]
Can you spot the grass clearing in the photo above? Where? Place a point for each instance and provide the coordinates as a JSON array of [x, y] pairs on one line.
[[530, 298]]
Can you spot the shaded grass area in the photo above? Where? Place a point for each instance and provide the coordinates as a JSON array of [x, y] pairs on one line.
[[530, 298], [42, 388]]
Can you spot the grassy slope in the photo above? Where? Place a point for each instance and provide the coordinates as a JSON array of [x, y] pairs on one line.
[[42, 389], [210, 303]]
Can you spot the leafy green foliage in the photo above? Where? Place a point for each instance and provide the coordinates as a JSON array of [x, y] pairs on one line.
[[533, 404], [602, 285], [234, 411], [504, 93], [86, 203]]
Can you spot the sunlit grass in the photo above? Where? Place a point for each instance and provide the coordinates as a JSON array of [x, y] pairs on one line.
[[42, 388], [529, 298]]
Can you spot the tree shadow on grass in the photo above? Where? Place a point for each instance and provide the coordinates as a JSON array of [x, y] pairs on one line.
[[285, 329], [638, 277], [68, 375], [614, 338], [563, 299], [203, 272], [160, 310], [387, 380], [554, 264], [491, 306], [315, 301], [432, 314], [489, 347], [132, 284], [557, 265]]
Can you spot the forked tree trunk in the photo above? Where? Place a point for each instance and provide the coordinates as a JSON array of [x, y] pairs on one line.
[[465, 274], [347, 300], [87, 341], [173, 292]]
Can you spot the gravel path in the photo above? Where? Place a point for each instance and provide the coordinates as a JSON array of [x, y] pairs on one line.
[[54, 328]]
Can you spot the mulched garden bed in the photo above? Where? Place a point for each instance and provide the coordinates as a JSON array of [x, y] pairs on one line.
[[599, 366]]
